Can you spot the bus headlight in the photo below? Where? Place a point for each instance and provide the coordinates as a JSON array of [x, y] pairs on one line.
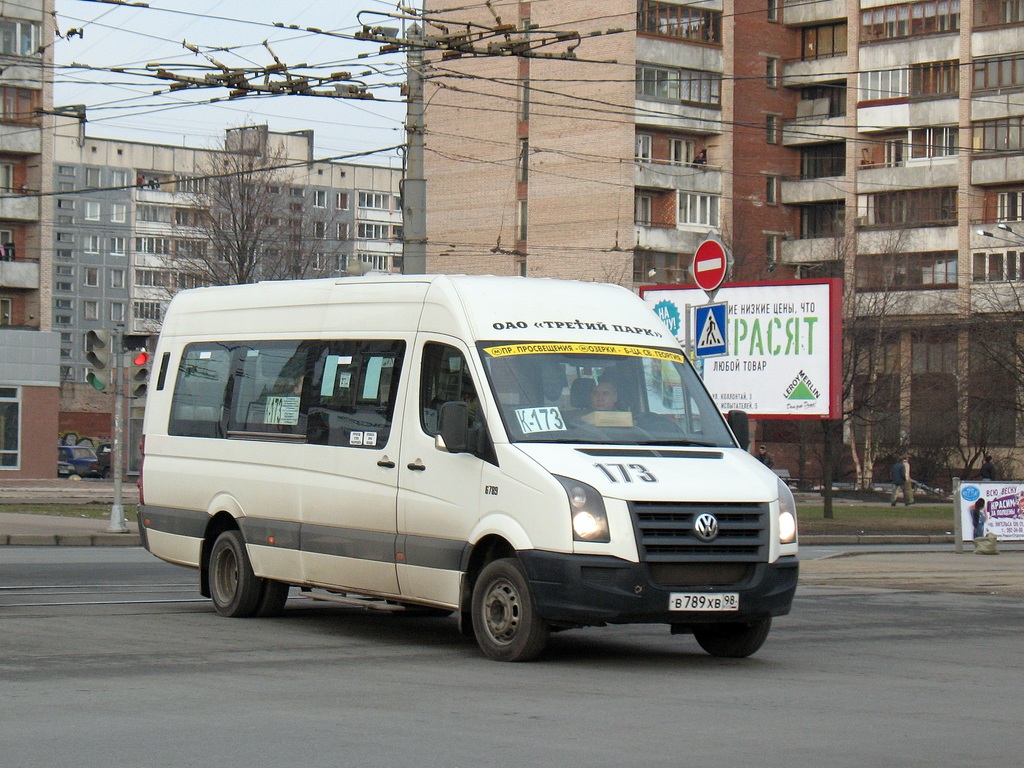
[[586, 507], [787, 514]]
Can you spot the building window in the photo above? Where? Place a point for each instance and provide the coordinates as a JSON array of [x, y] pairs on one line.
[[6, 308], [524, 160], [319, 230], [823, 161], [6, 177], [698, 209], [773, 10], [1010, 206], [524, 220], [917, 207], [117, 278], [19, 38], [92, 177], [999, 71], [369, 230], [92, 210], [116, 312], [91, 277], [681, 21], [997, 267], [91, 310], [771, 71], [884, 84], [692, 86], [319, 198], [934, 269], [297, 191], [117, 245], [376, 201], [989, 13], [343, 233], [771, 129], [341, 201], [936, 141], [772, 242], [771, 190], [65, 237], [907, 19], [1002, 135], [822, 219], [823, 42], [643, 210], [680, 151], [152, 245], [936, 79], [10, 427], [91, 243], [147, 310], [644, 143], [118, 213]]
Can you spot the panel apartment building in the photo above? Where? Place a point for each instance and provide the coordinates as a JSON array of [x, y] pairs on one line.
[[28, 347], [875, 141], [126, 236]]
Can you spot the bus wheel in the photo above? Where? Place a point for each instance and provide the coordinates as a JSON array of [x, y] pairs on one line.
[[505, 622], [234, 588], [273, 596], [733, 641]]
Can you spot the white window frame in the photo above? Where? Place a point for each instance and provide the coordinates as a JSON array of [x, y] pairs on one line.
[[644, 146]]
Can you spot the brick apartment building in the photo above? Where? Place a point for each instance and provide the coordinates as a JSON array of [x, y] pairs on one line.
[[28, 346], [872, 141]]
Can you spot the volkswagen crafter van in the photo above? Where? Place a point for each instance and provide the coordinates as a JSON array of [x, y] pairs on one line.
[[531, 455]]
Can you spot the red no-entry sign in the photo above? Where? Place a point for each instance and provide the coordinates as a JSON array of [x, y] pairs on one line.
[[710, 263]]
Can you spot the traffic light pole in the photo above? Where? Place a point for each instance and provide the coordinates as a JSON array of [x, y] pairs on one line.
[[117, 522]]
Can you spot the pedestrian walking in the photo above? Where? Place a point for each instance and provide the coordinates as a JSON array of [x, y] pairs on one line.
[[988, 469], [901, 481], [764, 457]]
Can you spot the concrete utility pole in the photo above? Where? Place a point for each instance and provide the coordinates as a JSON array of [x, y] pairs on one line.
[[117, 523], [414, 187]]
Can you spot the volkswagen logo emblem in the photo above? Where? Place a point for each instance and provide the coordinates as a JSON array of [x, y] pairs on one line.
[[705, 527]]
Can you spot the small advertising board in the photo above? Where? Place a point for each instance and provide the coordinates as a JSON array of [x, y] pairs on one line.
[[783, 356], [992, 506]]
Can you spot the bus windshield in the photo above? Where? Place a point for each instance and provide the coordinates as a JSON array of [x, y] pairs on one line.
[[601, 393]]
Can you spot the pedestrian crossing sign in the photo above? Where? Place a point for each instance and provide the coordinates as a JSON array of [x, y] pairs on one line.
[[709, 324]]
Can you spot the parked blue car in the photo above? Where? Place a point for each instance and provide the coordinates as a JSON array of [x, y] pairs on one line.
[[81, 458]]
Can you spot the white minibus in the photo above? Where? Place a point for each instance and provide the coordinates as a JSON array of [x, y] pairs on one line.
[[530, 455]]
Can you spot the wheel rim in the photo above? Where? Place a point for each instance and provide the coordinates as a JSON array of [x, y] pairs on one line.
[[502, 611], [226, 575]]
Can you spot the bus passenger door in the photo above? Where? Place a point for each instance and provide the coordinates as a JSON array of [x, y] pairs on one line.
[[351, 482]]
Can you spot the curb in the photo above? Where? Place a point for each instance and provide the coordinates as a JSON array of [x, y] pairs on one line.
[[71, 540]]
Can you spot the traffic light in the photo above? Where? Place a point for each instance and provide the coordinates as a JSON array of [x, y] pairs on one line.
[[98, 356], [142, 365]]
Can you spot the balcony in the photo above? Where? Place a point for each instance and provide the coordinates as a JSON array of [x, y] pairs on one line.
[[812, 250], [670, 239], [813, 131], [913, 174], [20, 139], [675, 116], [801, 14], [19, 274], [1002, 169], [812, 190], [19, 207], [689, 178], [799, 73]]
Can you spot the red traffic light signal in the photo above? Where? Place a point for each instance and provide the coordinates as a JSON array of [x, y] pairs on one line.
[[141, 358]]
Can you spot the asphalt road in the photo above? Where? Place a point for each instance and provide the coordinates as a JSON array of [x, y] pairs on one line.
[[109, 658]]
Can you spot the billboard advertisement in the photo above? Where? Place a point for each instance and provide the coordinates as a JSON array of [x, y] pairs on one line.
[[782, 340], [992, 506]]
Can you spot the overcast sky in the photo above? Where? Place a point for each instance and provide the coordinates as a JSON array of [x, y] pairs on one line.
[[125, 107]]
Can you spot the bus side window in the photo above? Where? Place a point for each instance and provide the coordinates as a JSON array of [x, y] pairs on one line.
[[445, 377]]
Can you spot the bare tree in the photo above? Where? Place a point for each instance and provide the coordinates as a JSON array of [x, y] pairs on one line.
[[243, 225]]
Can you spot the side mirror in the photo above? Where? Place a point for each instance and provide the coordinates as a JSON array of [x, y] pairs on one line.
[[740, 426], [453, 427]]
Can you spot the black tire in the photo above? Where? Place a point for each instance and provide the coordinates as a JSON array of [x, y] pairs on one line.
[[273, 596], [234, 588], [733, 641], [505, 620]]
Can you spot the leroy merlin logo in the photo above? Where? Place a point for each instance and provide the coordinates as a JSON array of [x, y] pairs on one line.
[[802, 388]]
